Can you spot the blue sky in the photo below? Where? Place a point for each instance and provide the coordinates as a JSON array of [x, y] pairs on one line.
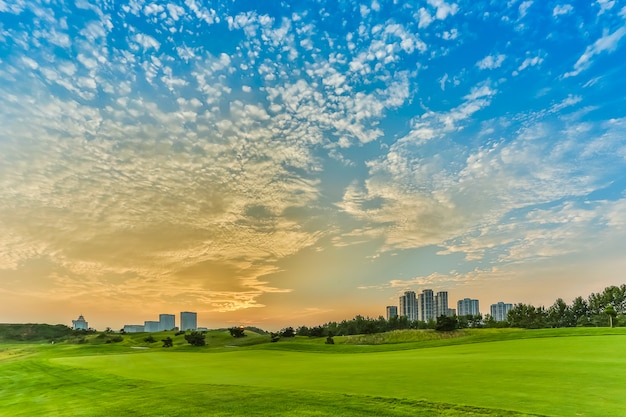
[[286, 163]]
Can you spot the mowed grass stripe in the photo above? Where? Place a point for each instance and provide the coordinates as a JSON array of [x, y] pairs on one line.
[[552, 376]]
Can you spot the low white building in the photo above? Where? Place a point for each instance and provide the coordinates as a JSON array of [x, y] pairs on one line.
[[133, 328], [151, 326]]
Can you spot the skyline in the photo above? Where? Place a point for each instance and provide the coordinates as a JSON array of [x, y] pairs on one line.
[[283, 164]]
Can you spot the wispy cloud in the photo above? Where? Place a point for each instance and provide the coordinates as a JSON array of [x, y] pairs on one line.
[[607, 43]]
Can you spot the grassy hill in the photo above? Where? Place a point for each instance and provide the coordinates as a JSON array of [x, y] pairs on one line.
[[477, 372], [34, 332]]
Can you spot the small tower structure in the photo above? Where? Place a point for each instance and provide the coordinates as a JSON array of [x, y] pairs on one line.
[[80, 323]]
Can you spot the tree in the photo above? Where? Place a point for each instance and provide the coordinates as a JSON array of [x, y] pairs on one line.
[[274, 337], [446, 324], [149, 339], [317, 331], [560, 315], [167, 342], [237, 332], [196, 338], [288, 332], [580, 312], [302, 331], [527, 316], [610, 311]]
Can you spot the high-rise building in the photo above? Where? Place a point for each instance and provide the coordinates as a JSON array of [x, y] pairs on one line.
[[500, 310], [80, 323], [188, 320], [392, 311], [441, 304], [167, 321], [151, 326], [467, 306], [408, 305], [451, 312], [426, 306]]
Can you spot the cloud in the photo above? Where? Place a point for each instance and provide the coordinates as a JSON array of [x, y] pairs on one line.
[[146, 41], [605, 5], [523, 8], [527, 63], [424, 18], [443, 9], [562, 9], [429, 196], [607, 43], [491, 61]]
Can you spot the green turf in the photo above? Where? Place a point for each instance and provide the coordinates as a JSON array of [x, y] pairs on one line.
[[481, 373]]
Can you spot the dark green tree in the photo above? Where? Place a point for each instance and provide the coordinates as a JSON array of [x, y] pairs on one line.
[[237, 332], [288, 332], [527, 316], [302, 331], [317, 331], [560, 315], [196, 338], [274, 337], [446, 324], [167, 342], [580, 312], [149, 339]]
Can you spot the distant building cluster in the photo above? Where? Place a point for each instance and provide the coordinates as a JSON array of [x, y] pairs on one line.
[[424, 307], [188, 321], [428, 306]]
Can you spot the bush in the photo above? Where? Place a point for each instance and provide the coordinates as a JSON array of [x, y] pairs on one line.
[[237, 332], [167, 342], [195, 338]]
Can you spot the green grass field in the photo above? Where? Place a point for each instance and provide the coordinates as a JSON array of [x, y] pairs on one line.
[[481, 372]]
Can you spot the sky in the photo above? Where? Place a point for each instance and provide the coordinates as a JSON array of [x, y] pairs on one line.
[[292, 163]]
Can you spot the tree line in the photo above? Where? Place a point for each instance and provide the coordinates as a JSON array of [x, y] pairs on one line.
[[606, 308]]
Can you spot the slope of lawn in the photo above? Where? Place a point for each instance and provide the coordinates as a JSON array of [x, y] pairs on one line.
[[31, 384], [503, 372]]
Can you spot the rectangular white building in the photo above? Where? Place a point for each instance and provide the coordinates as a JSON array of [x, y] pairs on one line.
[[167, 322], [188, 320], [151, 326]]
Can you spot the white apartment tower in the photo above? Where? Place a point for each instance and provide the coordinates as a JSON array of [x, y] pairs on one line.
[[467, 306], [408, 305], [392, 311], [441, 304], [426, 306], [500, 310]]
